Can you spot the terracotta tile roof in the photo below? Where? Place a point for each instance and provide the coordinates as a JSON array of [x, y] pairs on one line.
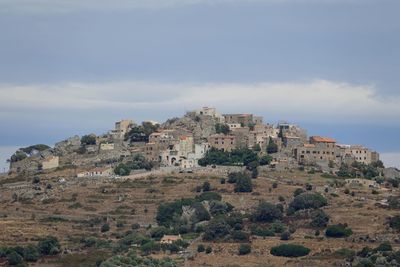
[[319, 139]]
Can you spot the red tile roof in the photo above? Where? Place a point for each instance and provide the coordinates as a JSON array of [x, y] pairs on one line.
[[319, 139]]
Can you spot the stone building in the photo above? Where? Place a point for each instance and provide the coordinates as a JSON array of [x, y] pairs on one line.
[[222, 142], [96, 172], [358, 153], [243, 119], [121, 128], [319, 150]]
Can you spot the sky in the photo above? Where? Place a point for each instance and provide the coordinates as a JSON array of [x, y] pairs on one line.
[[75, 67]]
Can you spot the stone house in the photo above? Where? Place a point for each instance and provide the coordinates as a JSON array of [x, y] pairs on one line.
[[358, 153], [242, 119], [320, 149], [106, 146], [222, 142], [121, 128]]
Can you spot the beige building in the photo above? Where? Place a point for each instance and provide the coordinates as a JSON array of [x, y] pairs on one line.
[[152, 152], [242, 119], [222, 142], [358, 153], [107, 146], [50, 163], [185, 146], [121, 128], [320, 149], [169, 239]]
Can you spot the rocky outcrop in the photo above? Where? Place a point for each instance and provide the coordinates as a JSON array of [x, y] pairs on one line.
[[68, 146]]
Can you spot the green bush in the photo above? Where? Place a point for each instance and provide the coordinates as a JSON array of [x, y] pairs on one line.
[[338, 230], [298, 191], [200, 213], [105, 228], [285, 236], [216, 229], [206, 186], [385, 246], [394, 222], [208, 250], [266, 212], [244, 249], [158, 232], [14, 258], [308, 201], [31, 253], [88, 139], [290, 250], [201, 248], [261, 231], [265, 160], [240, 236], [243, 184], [319, 218], [49, 246], [209, 196]]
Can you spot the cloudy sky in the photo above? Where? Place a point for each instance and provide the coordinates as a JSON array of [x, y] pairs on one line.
[[74, 67]]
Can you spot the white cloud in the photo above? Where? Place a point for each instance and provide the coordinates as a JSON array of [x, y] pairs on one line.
[[314, 101], [72, 5]]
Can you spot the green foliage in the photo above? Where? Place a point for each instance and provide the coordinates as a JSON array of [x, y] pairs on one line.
[[265, 160], [168, 211], [133, 260], [218, 207], [319, 218], [208, 250], [240, 236], [49, 245], [138, 162], [89, 139], [122, 169], [201, 248], [158, 232], [394, 222], [290, 250], [36, 180], [200, 213], [394, 202], [308, 201], [261, 231], [18, 156], [209, 196], [272, 147], [221, 128], [385, 246], [266, 212], [257, 148], [243, 184], [338, 230], [31, 253], [38, 147], [216, 229], [285, 236], [206, 186], [242, 156], [244, 249], [142, 132], [105, 228], [367, 171], [14, 258], [298, 191]]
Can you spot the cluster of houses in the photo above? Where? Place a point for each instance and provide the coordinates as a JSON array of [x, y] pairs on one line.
[[179, 145]]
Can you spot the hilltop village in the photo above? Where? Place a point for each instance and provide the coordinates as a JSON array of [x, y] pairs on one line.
[[206, 189], [184, 143]]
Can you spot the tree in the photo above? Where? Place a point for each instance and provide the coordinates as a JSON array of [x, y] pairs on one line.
[[31, 253], [244, 249], [298, 191], [265, 160], [272, 147], [308, 201], [208, 250], [142, 132], [217, 228], [89, 139], [105, 228], [319, 218], [285, 236], [49, 246], [243, 184], [290, 250], [200, 248], [222, 128], [206, 186], [122, 170], [257, 148], [338, 230], [14, 258], [266, 212], [200, 213]]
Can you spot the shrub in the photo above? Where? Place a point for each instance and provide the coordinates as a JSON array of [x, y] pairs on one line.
[[88, 139], [385, 246], [217, 228], [298, 191], [222, 181], [261, 231], [347, 191], [394, 222], [240, 236], [105, 228], [309, 187], [275, 185], [319, 218], [266, 212], [290, 250], [14, 258], [265, 160], [201, 248], [206, 186], [122, 170], [31, 253], [338, 230], [278, 227], [135, 226], [218, 207], [158, 232], [150, 247], [208, 250], [244, 249], [281, 199], [308, 201], [49, 246], [285, 236], [200, 213], [209, 196], [243, 184], [36, 180]]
